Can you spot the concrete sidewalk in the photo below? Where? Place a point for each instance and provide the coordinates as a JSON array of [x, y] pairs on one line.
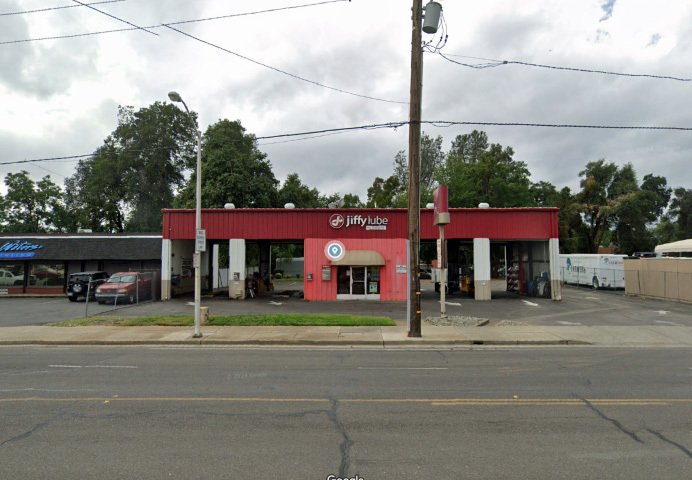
[[630, 336]]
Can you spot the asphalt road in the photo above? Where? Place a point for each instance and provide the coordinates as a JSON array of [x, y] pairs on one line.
[[580, 306], [204, 412]]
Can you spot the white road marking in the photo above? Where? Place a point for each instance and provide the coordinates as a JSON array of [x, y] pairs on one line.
[[663, 322], [531, 304], [275, 303], [93, 366], [191, 304], [662, 312], [454, 304], [568, 323], [591, 298]]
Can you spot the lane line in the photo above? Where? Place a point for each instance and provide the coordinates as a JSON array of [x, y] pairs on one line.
[[93, 366]]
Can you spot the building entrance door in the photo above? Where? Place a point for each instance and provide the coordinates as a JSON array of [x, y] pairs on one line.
[[358, 282]]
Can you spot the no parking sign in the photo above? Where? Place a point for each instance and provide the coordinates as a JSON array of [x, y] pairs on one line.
[[334, 250]]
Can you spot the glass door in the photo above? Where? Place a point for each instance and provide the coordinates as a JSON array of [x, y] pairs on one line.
[[357, 282]]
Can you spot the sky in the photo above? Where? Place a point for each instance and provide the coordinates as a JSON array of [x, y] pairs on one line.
[[59, 97]]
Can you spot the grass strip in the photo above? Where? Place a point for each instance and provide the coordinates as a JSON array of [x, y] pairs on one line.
[[233, 320]]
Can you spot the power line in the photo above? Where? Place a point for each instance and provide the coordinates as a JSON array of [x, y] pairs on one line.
[[114, 17], [57, 8], [283, 71], [392, 125], [498, 63], [102, 32]]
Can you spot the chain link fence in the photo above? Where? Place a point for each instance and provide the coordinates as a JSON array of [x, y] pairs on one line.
[[121, 290]]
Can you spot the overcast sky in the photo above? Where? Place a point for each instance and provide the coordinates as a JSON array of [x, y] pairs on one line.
[[59, 97]]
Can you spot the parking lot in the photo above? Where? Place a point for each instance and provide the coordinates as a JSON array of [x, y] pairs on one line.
[[579, 306]]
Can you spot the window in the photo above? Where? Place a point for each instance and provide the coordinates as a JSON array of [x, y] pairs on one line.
[[47, 275]]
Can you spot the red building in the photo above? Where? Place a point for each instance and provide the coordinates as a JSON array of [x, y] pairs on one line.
[[373, 263]]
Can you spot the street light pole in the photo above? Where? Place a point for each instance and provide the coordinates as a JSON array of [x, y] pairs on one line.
[[175, 97]]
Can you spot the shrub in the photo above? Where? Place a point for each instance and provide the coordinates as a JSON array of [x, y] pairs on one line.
[[278, 275]]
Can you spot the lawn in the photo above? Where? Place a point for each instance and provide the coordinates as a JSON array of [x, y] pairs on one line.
[[233, 320]]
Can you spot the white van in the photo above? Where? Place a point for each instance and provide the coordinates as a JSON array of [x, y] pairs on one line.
[[598, 271]]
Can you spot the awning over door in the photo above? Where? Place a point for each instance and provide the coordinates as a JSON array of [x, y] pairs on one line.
[[360, 257]]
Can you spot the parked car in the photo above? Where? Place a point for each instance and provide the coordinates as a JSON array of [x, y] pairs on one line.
[[425, 274], [125, 287], [78, 285], [8, 279]]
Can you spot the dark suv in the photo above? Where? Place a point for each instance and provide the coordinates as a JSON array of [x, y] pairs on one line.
[[78, 284]]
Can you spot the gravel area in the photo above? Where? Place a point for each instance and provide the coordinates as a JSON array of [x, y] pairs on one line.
[[456, 321], [512, 323]]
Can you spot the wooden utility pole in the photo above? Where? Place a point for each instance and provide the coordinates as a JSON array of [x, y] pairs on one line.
[[414, 170]]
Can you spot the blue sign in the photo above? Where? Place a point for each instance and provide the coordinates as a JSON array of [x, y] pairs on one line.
[[334, 250], [19, 249]]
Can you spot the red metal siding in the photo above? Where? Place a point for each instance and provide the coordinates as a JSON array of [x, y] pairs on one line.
[[280, 224], [392, 285]]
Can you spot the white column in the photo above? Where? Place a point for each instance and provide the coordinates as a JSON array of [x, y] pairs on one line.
[[481, 268], [236, 268], [554, 254], [166, 250], [215, 263]]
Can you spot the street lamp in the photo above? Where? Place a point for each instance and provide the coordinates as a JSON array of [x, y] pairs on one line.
[[175, 97]]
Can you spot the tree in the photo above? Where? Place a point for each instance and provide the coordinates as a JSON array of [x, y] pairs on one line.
[[135, 173], [295, 192], [614, 205], [491, 176], [233, 170], [681, 211], [431, 158], [31, 207], [384, 193], [97, 193], [468, 148]]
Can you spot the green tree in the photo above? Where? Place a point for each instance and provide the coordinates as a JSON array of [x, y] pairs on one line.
[[468, 148], [135, 173], [493, 177], [681, 212], [384, 193], [233, 170], [431, 158], [97, 192], [295, 192], [32, 207], [616, 209]]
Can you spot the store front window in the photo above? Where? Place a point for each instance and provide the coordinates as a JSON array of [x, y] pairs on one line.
[[47, 275], [11, 274]]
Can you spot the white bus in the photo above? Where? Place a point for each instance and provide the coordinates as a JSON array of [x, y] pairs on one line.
[[598, 271]]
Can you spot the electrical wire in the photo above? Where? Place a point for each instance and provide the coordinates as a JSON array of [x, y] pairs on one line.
[[57, 8], [114, 17], [498, 63], [392, 125], [283, 71], [102, 32]]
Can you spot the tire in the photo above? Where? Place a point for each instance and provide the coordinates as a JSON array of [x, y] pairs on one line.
[[131, 298], [78, 287], [594, 283], [72, 299]]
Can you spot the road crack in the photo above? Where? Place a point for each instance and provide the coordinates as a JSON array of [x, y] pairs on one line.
[[347, 443], [661, 437], [617, 424]]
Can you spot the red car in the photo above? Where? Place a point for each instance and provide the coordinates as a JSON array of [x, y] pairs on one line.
[[125, 287]]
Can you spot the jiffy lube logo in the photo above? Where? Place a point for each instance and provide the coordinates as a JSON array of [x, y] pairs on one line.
[[336, 221], [366, 222], [18, 249]]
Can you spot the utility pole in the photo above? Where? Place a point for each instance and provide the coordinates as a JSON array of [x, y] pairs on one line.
[[414, 170]]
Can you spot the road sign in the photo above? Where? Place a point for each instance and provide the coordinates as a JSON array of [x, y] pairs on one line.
[[334, 250], [201, 241]]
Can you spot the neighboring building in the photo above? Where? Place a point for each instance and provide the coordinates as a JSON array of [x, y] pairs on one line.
[[41, 264]]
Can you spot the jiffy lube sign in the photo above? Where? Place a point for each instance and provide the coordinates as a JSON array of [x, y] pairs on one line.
[[360, 221], [18, 249]]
